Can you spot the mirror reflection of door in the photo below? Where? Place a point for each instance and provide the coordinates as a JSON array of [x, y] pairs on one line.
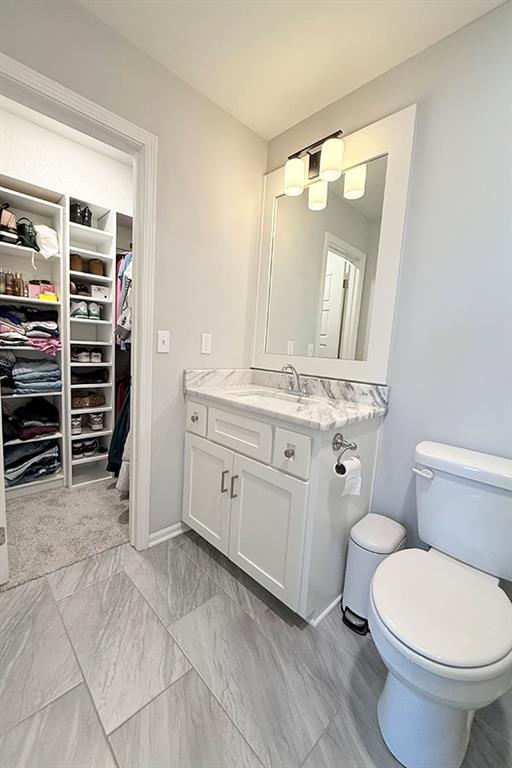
[[340, 301]]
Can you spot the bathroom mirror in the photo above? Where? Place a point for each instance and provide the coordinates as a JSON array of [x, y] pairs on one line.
[[322, 270], [328, 278]]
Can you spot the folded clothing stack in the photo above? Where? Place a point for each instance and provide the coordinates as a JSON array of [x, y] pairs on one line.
[[89, 377], [7, 360], [32, 376], [34, 419], [30, 327], [33, 461]]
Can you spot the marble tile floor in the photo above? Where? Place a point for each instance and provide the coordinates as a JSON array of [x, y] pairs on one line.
[[174, 658]]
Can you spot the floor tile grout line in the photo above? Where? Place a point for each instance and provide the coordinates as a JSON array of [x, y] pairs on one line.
[[237, 728], [84, 678]]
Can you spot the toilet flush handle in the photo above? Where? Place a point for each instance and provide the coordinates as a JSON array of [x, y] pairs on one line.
[[426, 473]]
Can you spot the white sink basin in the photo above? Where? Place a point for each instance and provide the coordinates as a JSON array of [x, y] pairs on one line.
[[264, 395]]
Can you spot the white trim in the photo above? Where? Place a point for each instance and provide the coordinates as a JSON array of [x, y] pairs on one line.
[[28, 87], [167, 533], [393, 136], [322, 616]]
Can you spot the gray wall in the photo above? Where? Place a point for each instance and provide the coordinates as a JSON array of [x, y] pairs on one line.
[[451, 366], [210, 170]]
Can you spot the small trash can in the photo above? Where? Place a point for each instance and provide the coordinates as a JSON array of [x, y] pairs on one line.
[[372, 539]]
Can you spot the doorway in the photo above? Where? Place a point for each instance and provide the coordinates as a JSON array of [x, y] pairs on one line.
[[52, 100]]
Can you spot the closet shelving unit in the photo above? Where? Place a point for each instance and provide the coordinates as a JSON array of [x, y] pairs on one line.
[[95, 242], [42, 207]]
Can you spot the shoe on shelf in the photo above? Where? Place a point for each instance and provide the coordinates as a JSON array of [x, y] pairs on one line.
[[94, 311], [81, 355], [76, 425], [96, 356], [79, 309], [90, 447], [77, 449], [95, 421]]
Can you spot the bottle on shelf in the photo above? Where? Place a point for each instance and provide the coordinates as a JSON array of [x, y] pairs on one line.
[[2, 280], [9, 283], [18, 284]]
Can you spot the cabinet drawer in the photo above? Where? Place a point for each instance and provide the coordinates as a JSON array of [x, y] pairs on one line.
[[248, 436], [196, 418], [292, 453]]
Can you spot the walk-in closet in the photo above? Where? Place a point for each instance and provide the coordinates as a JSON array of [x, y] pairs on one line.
[[65, 344]]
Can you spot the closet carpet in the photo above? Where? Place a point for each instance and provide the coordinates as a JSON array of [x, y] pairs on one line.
[[51, 529]]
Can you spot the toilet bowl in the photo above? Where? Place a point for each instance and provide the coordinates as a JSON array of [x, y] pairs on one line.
[[444, 632]]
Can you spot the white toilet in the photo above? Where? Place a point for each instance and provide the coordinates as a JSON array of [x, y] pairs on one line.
[[439, 619]]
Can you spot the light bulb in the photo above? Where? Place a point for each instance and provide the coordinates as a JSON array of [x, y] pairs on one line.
[[317, 196], [331, 159], [294, 176], [355, 182]]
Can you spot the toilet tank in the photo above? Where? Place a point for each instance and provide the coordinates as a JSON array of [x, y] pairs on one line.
[[464, 503]]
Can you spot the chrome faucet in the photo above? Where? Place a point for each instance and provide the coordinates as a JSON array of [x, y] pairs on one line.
[[294, 381]]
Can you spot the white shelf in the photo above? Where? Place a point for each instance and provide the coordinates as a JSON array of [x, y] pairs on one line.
[[28, 203], [90, 322], [89, 235], [20, 252], [86, 343], [91, 365], [24, 300], [52, 436], [87, 253], [23, 348], [77, 297], [89, 277], [91, 386], [107, 476], [32, 394], [90, 459], [99, 409], [35, 483], [91, 433]]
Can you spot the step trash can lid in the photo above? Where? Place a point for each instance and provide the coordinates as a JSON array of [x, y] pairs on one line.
[[378, 534]]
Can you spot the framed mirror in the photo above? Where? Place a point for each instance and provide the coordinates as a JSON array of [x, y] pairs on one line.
[[328, 278]]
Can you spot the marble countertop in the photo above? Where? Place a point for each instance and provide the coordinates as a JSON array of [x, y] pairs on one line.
[[316, 412]]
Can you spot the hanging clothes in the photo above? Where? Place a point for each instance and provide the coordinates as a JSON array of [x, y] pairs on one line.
[[124, 301], [121, 430]]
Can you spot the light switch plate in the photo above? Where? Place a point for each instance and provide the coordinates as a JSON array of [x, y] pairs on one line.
[[290, 347], [206, 343], [164, 342]]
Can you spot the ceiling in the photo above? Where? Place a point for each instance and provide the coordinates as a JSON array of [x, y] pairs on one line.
[[272, 63]]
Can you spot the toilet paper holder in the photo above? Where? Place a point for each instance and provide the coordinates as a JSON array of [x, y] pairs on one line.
[[340, 444]]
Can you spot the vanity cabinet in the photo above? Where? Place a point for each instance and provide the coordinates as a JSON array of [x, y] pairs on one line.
[[251, 512], [263, 491]]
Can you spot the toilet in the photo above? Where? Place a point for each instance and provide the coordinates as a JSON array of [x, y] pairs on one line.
[[439, 619]]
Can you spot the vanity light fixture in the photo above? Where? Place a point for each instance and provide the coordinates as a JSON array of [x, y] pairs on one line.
[[319, 163], [331, 159], [317, 195], [354, 183], [294, 177]]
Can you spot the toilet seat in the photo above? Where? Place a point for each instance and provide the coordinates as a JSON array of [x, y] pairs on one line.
[[444, 612]]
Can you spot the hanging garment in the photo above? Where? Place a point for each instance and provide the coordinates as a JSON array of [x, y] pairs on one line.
[[124, 304], [121, 429], [123, 481]]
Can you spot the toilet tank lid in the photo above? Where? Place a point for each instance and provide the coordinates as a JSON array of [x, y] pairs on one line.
[[378, 534], [480, 467]]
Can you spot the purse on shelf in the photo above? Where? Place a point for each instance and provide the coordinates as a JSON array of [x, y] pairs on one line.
[[76, 263], [27, 235], [8, 231], [96, 267], [88, 400], [47, 240]]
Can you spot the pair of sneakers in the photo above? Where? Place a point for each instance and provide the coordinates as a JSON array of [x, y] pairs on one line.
[[94, 422], [85, 448], [84, 355], [86, 310]]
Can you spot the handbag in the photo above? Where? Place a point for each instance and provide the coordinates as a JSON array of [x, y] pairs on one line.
[[27, 235], [47, 240], [8, 231]]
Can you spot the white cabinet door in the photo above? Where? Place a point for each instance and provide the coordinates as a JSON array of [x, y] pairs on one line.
[[268, 516], [206, 484]]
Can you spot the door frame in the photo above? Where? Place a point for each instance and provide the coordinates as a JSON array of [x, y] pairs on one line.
[[357, 258], [34, 90]]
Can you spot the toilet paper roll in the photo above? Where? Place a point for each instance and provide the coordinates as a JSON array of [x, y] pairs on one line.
[[349, 474]]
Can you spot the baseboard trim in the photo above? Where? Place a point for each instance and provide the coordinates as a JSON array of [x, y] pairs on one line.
[[166, 533], [321, 617]]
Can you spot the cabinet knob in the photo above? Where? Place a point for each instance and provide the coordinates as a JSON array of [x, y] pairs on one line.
[[194, 417], [289, 453]]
